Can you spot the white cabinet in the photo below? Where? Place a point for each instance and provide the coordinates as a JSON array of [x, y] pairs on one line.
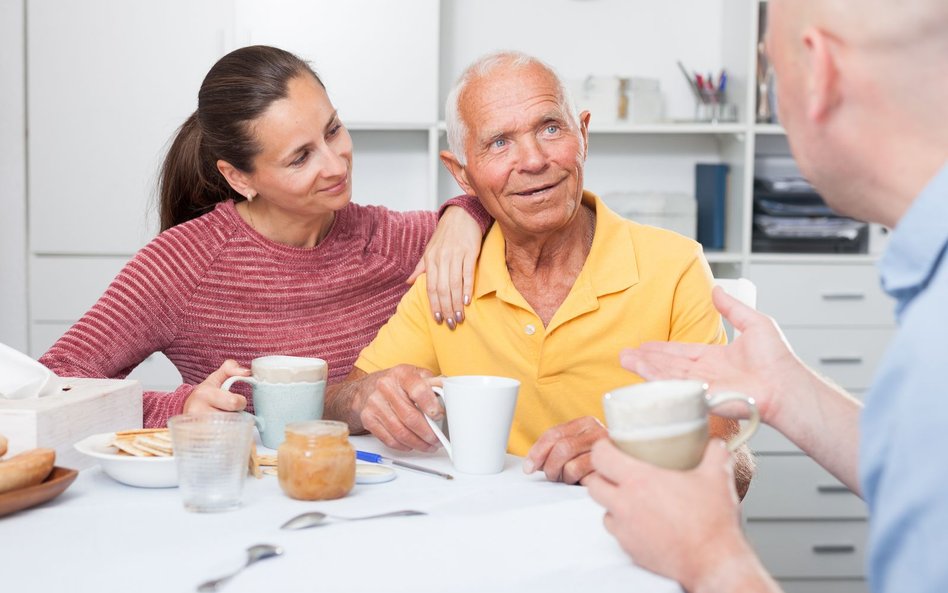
[[108, 82], [379, 59], [806, 526]]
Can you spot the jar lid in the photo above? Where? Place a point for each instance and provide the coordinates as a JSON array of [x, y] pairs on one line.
[[318, 428]]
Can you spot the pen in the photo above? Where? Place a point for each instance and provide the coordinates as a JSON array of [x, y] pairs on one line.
[[376, 458], [689, 80]]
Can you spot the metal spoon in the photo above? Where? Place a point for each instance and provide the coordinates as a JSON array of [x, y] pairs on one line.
[[314, 518], [254, 554]]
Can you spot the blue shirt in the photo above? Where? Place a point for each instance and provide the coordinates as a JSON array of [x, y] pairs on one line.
[[904, 427]]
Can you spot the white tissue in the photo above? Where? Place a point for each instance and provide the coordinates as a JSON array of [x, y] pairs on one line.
[[21, 377]]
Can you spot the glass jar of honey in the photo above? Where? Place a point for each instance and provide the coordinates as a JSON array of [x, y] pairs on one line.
[[316, 461]]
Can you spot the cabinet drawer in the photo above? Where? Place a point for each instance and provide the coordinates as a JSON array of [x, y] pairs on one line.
[[824, 586], [810, 548], [796, 487], [813, 295], [848, 356]]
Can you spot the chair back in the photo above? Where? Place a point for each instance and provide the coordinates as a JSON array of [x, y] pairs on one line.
[[741, 289]]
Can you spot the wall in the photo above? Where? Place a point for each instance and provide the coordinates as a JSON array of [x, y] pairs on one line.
[[13, 275]]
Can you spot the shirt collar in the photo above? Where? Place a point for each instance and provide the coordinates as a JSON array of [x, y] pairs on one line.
[[917, 243], [610, 266]]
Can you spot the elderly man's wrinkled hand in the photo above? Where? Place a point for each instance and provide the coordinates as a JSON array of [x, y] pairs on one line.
[[389, 405], [562, 453]]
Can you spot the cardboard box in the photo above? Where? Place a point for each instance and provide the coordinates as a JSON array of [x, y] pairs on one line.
[[81, 408]]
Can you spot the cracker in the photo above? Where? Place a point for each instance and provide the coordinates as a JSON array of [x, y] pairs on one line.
[[158, 449], [130, 447], [146, 442], [136, 431], [255, 462], [267, 460]]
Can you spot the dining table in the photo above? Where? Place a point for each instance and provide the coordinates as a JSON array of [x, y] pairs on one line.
[[502, 532]]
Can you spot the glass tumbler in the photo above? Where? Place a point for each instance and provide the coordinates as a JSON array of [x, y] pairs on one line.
[[212, 453]]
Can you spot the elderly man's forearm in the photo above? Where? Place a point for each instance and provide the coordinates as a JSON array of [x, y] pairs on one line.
[[744, 466], [338, 404]]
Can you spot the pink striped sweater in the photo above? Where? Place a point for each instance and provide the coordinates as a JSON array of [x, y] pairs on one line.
[[213, 288]]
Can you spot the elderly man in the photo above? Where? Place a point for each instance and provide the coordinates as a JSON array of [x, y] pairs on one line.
[[864, 100], [561, 286]]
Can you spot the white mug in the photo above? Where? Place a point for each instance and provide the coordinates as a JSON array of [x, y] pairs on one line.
[[666, 422], [480, 411]]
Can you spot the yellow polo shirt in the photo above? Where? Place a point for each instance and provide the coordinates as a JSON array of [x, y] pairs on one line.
[[639, 284]]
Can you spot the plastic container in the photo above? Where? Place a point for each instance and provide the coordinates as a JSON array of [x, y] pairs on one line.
[[675, 212]]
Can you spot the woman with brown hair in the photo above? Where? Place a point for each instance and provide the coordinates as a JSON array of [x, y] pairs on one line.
[[261, 250]]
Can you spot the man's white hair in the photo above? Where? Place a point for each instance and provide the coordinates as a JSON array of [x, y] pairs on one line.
[[457, 127]]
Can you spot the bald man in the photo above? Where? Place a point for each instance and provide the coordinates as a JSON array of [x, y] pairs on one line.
[[864, 99]]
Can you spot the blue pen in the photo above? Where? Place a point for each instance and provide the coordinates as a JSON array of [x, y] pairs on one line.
[[376, 458], [722, 82]]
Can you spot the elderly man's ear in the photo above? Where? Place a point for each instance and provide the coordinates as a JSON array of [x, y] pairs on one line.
[[457, 171], [584, 131]]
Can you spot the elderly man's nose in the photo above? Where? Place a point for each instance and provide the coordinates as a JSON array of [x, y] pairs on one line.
[[532, 157]]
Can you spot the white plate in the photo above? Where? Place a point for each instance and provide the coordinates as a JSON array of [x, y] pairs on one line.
[[144, 472], [373, 473]]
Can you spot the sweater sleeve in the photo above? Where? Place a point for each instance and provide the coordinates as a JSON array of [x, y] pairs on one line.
[[472, 205], [136, 316], [403, 236]]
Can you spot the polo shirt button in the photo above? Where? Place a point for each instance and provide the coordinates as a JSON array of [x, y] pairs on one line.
[[530, 329]]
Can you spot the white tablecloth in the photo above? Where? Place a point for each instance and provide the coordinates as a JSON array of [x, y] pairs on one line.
[[506, 532]]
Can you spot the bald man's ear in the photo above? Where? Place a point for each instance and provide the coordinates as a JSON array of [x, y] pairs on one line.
[[822, 77], [457, 171]]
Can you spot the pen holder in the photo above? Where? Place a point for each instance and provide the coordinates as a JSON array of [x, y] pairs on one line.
[[715, 111]]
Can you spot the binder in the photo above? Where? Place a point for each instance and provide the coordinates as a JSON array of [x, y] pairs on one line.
[[711, 194]]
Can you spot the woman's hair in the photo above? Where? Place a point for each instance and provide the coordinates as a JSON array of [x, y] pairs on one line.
[[237, 90]]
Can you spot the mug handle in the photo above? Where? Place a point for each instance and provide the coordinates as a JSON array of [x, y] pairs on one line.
[[434, 426], [752, 423], [256, 419]]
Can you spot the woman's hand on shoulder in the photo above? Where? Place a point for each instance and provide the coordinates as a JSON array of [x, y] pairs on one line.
[[449, 262], [209, 397]]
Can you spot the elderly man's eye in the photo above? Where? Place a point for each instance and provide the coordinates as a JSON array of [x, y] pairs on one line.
[[499, 143], [552, 129]]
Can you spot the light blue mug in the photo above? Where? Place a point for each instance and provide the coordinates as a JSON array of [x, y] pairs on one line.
[[285, 389]]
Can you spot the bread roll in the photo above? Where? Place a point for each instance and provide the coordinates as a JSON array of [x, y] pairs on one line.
[[26, 469]]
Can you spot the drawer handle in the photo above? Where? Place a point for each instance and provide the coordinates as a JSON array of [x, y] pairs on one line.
[[840, 360], [844, 296], [832, 489], [834, 549]]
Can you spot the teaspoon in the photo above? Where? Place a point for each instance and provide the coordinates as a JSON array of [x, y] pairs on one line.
[[254, 554], [314, 518]]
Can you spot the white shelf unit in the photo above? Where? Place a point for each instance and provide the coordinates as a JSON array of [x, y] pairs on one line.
[[100, 117]]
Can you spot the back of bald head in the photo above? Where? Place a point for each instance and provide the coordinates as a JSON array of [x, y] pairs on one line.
[[906, 25]]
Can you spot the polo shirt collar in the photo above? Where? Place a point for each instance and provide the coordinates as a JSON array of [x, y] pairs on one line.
[[610, 266], [918, 243]]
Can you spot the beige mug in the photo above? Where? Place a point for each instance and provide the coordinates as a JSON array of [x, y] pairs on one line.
[[666, 422]]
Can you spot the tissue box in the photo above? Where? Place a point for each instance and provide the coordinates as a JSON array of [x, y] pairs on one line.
[[81, 408]]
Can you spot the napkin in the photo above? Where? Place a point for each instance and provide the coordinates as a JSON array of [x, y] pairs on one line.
[[21, 377]]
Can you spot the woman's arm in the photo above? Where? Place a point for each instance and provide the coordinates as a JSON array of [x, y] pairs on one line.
[[137, 316], [447, 254]]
